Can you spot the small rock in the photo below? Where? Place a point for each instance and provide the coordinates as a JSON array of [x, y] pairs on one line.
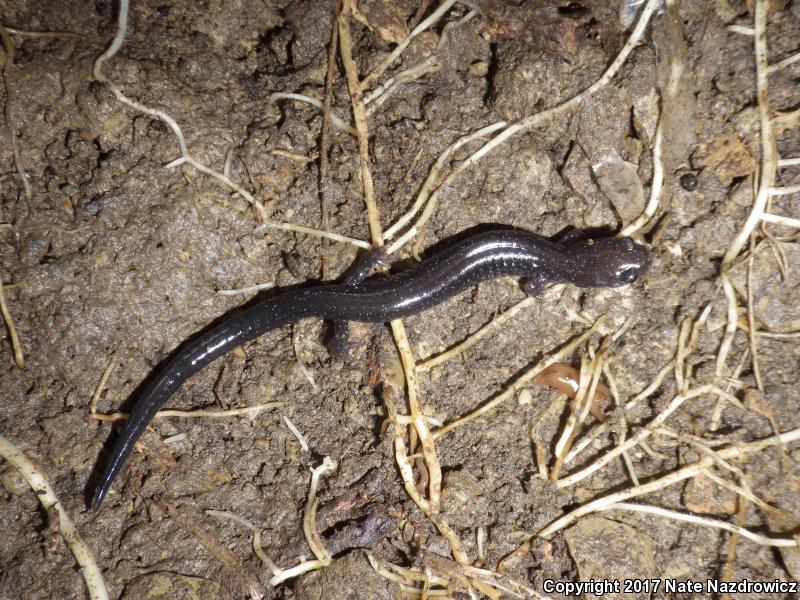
[[726, 156], [705, 497], [479, 68], [620, 182], [163, 584], [577, 175], [606, 549], [383, 16]]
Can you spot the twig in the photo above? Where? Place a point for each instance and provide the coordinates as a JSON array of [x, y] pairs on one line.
[[751, 319], [40, 34], [337, 122], [233, 570], [311, 231], [8, 59], [381, 94], [781, 64], [247, 290], [536, 119], [387, 62], [296, 433], [360, 118], [16, 347], [520, 381], [474, 338], [250, 411], [420, 423], [325, 134], [768, 165], [433, 175], [785, 190], [667, 480], [705, 521], [97, 71], [657, 183], [98, 391], [781, 220], [643, 433], [48, 499], [741, 29]]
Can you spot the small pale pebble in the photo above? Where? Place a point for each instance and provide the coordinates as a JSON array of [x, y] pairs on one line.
[[479, 68], [525, 398]]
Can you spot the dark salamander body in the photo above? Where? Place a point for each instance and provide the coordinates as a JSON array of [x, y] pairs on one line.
[[607, 262]]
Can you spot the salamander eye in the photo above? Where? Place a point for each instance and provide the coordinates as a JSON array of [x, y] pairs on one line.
[[628, 274]]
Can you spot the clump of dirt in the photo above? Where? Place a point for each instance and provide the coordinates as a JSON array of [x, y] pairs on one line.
[[113, 254]]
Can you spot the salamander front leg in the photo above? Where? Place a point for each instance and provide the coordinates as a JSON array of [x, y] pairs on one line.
[[534, 286], [340, 345], [570, 236]]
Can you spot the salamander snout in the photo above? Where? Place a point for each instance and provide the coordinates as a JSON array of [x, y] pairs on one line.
[[609, 262]]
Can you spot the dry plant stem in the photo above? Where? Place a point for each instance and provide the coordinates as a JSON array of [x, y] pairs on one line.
[[727, 572], [602, 427], [250, 289], [325, 135], [337, 122], [705, 521], [486, 581], [102, 384], [667, 480], [420, 423], [433, 175], [529, 123], [538, 118], [785, 190], [8, 59], [378, 97], [657, 183], [745, 493], [234, 570], [784, 63], [751, 319], [257, 547], [362, 128], [97, 71], [16, 347], [311, 231], [789, 162], [250, 411], [39, 34], [767, 178], [716, 416], [589, 372], [642, 434], [781, 220], [474, 338], [48, 499], [741, 29], [310, 517], [296, 433], [521, 381], [387, 62], [685, 348]]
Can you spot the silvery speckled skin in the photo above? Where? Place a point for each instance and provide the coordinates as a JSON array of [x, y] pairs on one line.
[[607, 262]]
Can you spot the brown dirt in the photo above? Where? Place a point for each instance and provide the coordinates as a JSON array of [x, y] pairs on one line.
[[114, 253]]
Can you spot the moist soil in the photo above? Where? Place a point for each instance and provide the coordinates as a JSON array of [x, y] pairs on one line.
[[112, 254]]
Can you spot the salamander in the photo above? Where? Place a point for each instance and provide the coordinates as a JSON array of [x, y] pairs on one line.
[[586, 263]]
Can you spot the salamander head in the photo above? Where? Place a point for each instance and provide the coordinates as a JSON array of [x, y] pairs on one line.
[[607, 262]]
